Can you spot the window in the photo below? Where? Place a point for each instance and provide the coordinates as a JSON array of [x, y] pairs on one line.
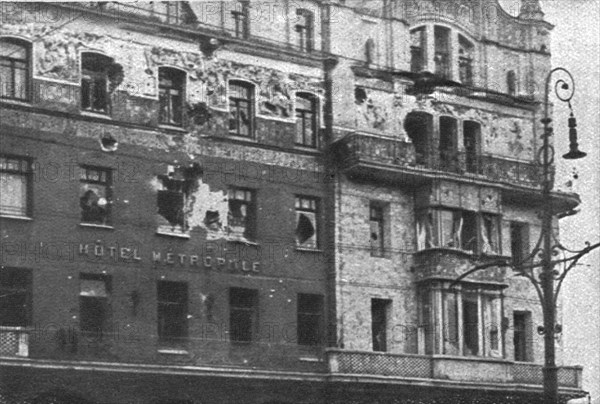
[[417, 50], [14, 69], [173, 11], [490, 234], [305, 30], [458, 229], [306, 120], [94, 304], [376, 222], [95, 195], [448, 144], [471, 136], [15, 186], [370, 51], [172, 312], [419, 128], [465, 60], [94, 82], [171, 87], [522, 336], [241, 109], [241, 19], [442, 51], [310, 319], [379, 323], [15, 297], [306, 222], [469, 319], [172, 198], [242, 213], [511, 83], [519, 242], [243, 314]]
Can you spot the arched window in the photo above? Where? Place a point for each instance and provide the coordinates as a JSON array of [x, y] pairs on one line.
[[241, 108], [306, 119], [419, 128], [305, 29], [171, 87], [94, 82], [511, 83], [15, 62]]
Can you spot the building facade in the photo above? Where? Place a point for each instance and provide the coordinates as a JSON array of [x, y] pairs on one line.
[[263, 202]]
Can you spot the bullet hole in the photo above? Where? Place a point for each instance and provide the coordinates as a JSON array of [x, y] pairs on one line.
[[108, 143], [360, 95]]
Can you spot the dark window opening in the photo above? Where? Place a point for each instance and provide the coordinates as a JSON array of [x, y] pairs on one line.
[[468, 234], [15, 186], [243, 314], [172, 300], [419, 128], [470, 324], [306, 222], [442, 51], [15, 297], [522, 336], [305, 30], [241, 19], [171, 88], [310, 319], [14, 69], [241, 110], [471, 136], [94, 82], [242, 213], [172, 197], [379, 323], [519, 242], [448, 144], [490, 234], [417, 50], [94, 304], [465, 60], [511, 83], [376, 221], [95, 195], [306, 119]]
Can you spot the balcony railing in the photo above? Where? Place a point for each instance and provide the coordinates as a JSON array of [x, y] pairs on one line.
[[444, 368], [14, 342], [360, 148]]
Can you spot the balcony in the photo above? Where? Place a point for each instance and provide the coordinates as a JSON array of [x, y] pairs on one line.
[[14, 342], [391, 159], [451, 369]]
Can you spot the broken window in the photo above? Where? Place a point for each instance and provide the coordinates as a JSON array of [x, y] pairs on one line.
[[417, 50], [172, 198], [172, 300], [94, 304], [491, 319], [15, 186], [465, 60], [379, 323], [94, 82], [304, 29], [458, 229], [448, 144], [15, 297], [15, 62], [243, 314], [306, 222], [426, 236], [241, 19], [490, 234], [450, 321], [442, 51], [95, 195], [376, 221], [519, 242], [470, 323], [171, 86], [310, 319], [306, 119], [471, 136], [241, 217], [241, 111], [419, 128]]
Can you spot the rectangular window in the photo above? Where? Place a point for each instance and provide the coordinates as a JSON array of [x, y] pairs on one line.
[[310, 319], [304, 30], [470, 324], [241, 19], [417, 50], [306, 222], [172, 312], [15, 297], [243, 314], [490, 234], [14, 69], [306, 120], [172, 198], [442, 51], [241, 111], [242, 214], [465, 60], [377, 230], [94, 303], [492, 330], [94, 82], [95, 195], [171, 88], [519, 241], [379, 323], [522, 337], [15, 186], [173, 11], [426, 328], [471, 136], [451, 320], [448, 144]]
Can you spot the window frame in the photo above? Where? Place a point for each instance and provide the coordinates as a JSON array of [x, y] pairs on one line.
[[524, 341], [301, 120], [169, 118], [26, 174], [163, 304], [101, 303], [248, 314], [465, 63], [305, 31], [314, 209], [315, 318], [26, 69], [380, 328], [108, 184], [90, 79], [241, 19], [249, 200], [181, 187], [23, 287], [418, 54], [234, 103]]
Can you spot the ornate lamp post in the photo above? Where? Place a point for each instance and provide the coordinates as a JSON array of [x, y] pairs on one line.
[[548, 264]]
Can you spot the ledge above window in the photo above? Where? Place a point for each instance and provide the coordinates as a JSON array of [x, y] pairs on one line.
[[173, 234]]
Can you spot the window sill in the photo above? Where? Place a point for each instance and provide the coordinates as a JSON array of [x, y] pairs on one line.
[[310, 359], [176, 235], [249, 139], [172, 351], [306, 249], [25, 103], [305, 148], [96, 226], [14, 217], [100, 115], [172, 128]]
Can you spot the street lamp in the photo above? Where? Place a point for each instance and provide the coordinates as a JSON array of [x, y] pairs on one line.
[[547, 265]]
